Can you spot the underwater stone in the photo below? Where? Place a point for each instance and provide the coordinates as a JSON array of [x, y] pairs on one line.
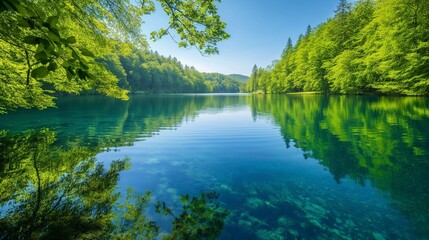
[[245, 224], [350, 223], [294, 232], [316, 223], [269, 235], [378, 236], [255, 203], [226, 187], [284, 221]]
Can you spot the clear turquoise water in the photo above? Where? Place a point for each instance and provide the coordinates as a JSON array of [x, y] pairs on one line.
[[286, 167]]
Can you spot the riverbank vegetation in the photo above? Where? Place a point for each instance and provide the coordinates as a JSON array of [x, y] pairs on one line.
[[97, 46], [370, 46]]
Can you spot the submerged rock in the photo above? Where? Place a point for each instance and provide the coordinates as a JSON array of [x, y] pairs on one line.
[[255, 203], [286, 222], [378, 236]]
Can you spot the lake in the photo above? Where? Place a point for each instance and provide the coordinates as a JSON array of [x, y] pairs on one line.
[[285, 166]]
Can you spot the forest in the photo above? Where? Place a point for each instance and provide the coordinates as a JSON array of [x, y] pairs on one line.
[[368, 47], [88, 47], [144, 71]]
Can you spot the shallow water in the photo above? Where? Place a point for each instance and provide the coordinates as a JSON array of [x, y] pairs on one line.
[[286, 167]]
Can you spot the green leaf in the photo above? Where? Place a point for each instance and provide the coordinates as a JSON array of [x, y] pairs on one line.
[[99, 65], [70, 40], [41, 57], [84, 66], [86, 52], [53, 36], [23, 22], [55, 31], [40, 48], [53, 21], [75, 55], [81, 74], [40, 72], [52, 66], [69, 75], [33, 40], [70, 70], [66, 64], [90, 75]]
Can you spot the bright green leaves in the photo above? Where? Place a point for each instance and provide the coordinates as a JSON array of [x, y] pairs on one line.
[[70, 40], [41, 57], [374, 46], [40, 72], [86, 52], [58, 46], [33, 40], [52, 21], [196, 24], [52, 67]]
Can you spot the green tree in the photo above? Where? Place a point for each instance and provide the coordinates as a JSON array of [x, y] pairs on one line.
[[397, 47], [252, 82], [369, 46], [50, 46]]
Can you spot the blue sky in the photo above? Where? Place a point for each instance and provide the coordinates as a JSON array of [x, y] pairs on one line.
[[259, 31]]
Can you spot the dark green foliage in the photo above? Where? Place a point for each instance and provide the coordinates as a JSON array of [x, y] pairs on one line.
[[148, 72], [368, 47]]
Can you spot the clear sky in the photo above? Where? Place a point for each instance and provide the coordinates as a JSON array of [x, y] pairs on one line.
[[259, 31]]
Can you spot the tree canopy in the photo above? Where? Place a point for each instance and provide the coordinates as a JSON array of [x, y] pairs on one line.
[[370, 46], [49, 46]]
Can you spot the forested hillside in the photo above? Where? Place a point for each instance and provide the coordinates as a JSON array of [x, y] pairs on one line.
[[371, 46], [49, 48], [143, 71]]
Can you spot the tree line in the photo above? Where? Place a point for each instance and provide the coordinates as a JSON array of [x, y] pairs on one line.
[[50, 47], [144, 71], [370, 46]]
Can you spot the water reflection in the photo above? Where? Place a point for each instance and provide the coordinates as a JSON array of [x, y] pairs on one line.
[[62, 192], [383, 139], [48, 192], [50, 178], [105, 121]]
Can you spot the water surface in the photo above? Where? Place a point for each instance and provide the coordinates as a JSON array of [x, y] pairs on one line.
[[286, 167]]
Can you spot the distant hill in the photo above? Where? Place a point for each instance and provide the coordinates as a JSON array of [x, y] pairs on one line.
[[239, 77]]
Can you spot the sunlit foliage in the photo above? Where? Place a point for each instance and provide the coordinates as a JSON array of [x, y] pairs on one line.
[[49, 46], [370, 46]]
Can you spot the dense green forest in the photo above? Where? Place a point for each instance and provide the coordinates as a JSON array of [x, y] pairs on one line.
[[148, 72], [370, 46], [72, 47]]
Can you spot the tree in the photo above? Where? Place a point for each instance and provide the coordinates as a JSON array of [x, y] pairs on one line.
[[398, 47], [252, 83], [369, 46], [56, 46]]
